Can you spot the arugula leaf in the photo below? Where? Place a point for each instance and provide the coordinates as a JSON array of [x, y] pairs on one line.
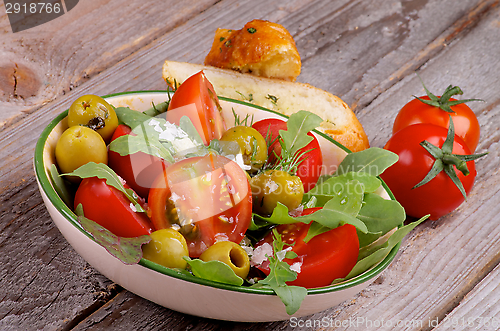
[[327, 216], [373, 161], [380, 216], [187, 126], [131, 117], [216, 271], [380, 252], [280, 273], [370, 182], [60, 186], [298, 126], [127, 250], [102, 171], [314, 230], [129, 144], [346, 194]]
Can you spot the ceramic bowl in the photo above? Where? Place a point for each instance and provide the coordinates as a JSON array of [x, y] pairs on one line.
[[166, 287]]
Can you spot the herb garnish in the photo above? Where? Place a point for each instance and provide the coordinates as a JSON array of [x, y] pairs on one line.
[[280, 273]]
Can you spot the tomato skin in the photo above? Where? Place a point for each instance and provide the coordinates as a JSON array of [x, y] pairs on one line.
[[325, 257], [196, 98], [139, 170], [195, 189], [310, 168], [439, 196], [464, 120], [110, 208]]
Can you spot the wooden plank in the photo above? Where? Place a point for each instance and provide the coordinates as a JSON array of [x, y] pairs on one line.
[[17, 141], [42, 63], [415, 258], [479, 310], [376, 44], [441, 261]]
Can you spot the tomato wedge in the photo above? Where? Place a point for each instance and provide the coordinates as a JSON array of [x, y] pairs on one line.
[[111, 209], [139, 169], [324, 258], [207, 198], [196, 99]]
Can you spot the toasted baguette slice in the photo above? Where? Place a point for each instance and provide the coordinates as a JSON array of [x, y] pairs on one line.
[[285, 97], [262, 48]]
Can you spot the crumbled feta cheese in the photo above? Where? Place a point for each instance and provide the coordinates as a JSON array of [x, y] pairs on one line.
[[174, 197], [281, 254], [248, 250], [183, 144], [259, 254], [238, 158], [132, 206], [272, 186], [153, 122], [296, 267], [177, 131]]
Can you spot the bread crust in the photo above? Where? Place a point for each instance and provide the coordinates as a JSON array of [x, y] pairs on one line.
[[286, 97], [261, 48]]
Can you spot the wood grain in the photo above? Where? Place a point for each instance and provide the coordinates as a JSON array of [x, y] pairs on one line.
[[42, 63], [46, 285]]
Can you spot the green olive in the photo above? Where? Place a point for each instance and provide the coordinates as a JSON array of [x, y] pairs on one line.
[[273, 186], [167, 247], [94, 112], [252, 145], [79, 145], [229, 253]]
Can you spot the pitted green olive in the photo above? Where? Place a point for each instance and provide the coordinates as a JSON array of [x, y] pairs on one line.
[[231, 254], [273, 186], [95, 113], [252, 145], [167, 247]]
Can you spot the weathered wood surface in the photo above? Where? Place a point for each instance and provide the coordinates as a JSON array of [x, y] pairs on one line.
[[364, 51]]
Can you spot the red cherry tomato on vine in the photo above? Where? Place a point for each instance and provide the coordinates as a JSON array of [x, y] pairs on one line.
[[205, 198], [196, 99], [311, 162], [464, 119], [324, 258], [111, 209], [139, 169], [439, 196]]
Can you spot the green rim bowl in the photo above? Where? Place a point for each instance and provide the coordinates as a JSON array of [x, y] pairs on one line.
[[167, 287]]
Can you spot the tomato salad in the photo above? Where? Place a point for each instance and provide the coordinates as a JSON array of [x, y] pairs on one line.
[[240, 203]]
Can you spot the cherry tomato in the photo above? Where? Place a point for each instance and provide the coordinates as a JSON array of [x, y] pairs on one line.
[[464, 119], [439, 196], [139, 169], [206, 198], [311, 162], [196, 99], [111, 209], [324, 258]]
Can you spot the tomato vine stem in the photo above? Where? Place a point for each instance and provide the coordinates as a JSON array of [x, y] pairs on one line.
[[445, 160]]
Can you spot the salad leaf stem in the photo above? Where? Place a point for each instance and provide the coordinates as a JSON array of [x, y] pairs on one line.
[[280, 273]]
